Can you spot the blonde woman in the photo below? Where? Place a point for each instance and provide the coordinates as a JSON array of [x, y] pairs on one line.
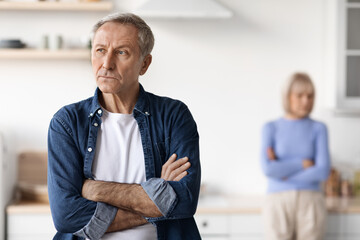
[[295, 159]]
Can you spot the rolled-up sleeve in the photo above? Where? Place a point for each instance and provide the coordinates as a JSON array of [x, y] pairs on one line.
[[99, 222], [70, 211], [161, 193]]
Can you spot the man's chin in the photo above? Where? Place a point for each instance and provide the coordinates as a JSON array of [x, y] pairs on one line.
[[107, 89]]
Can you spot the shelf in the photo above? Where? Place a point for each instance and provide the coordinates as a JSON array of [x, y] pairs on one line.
[[57, 6], [81, 54]]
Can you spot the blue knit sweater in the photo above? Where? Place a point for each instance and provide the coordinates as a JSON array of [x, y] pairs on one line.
[[293, 141]]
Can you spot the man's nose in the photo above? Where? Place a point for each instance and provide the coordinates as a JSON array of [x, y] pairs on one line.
[[109, 61]]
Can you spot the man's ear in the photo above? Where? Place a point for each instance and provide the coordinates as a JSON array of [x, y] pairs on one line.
[[145, 64]]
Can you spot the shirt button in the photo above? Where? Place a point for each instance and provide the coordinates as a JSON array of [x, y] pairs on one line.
[[99, 111], [147, 113], [91, 114], [96, 124], [89, 149]]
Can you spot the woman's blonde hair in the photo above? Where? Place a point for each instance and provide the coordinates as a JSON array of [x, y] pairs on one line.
[[299, 82]]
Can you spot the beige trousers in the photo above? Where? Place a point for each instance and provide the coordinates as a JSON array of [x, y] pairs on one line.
[[295, 215]]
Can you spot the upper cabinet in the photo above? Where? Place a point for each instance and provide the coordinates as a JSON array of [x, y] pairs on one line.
[[352, 20], [348, 88]]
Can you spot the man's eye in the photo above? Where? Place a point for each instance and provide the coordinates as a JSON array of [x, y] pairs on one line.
[[121, 52], [100, 50]]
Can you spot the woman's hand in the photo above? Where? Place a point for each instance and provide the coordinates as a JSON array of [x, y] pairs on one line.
[[307, 163], [271, 154]]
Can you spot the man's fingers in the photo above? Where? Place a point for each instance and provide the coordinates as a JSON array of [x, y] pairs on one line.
[[180, 176], [168, 171], [178, 163], [171, 159], [178, 171], [164, 171], [174, 169], [184, 167]]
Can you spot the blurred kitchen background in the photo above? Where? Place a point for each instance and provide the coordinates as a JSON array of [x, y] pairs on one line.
[[226, 59]]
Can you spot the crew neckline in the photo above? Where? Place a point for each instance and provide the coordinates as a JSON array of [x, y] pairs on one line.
[[294, 120], [111, 114]]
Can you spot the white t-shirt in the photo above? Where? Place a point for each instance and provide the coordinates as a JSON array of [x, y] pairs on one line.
[[119, 157]]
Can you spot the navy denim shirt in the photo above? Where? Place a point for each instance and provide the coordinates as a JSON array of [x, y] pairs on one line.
[[166, 127]]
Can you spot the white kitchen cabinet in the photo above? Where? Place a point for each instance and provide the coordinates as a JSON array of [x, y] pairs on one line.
[[2, 188], [213, 226], [343, 25], [344, 226], [30, 221], [249, 226], [230, 226], [239, 220], [30, 226]]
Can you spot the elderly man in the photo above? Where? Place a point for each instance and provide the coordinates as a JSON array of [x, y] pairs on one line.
[[123, 164]]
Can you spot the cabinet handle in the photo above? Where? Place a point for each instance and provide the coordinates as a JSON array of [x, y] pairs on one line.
[[205, 224]]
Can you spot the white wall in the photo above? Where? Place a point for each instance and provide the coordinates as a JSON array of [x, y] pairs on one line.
[[229, 72]]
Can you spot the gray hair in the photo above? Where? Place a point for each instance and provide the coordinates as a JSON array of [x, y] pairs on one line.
[[300, 82], [145, 36]]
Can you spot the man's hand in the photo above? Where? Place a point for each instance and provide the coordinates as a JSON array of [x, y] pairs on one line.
[[271, 154], [175, 170], [307, 163]]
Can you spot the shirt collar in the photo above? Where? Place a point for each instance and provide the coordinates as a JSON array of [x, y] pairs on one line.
[[141, 105], [95, 105]]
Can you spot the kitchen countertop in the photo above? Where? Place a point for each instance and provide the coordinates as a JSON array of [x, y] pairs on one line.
[[24, 207], [210, 204], [254, 204]]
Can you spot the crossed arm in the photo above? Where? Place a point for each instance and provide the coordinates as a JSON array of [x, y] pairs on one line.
[[306, 163], [297, 170], [276, 169], [79, 216], [131, 200]]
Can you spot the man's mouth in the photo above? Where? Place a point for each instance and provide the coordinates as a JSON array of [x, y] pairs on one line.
[[108, 77]]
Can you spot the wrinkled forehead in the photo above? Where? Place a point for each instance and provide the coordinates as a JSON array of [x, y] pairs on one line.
[[115, 31], [302, 87]]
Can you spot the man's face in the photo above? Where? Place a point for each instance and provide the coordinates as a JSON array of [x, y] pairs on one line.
[[116, 58]]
